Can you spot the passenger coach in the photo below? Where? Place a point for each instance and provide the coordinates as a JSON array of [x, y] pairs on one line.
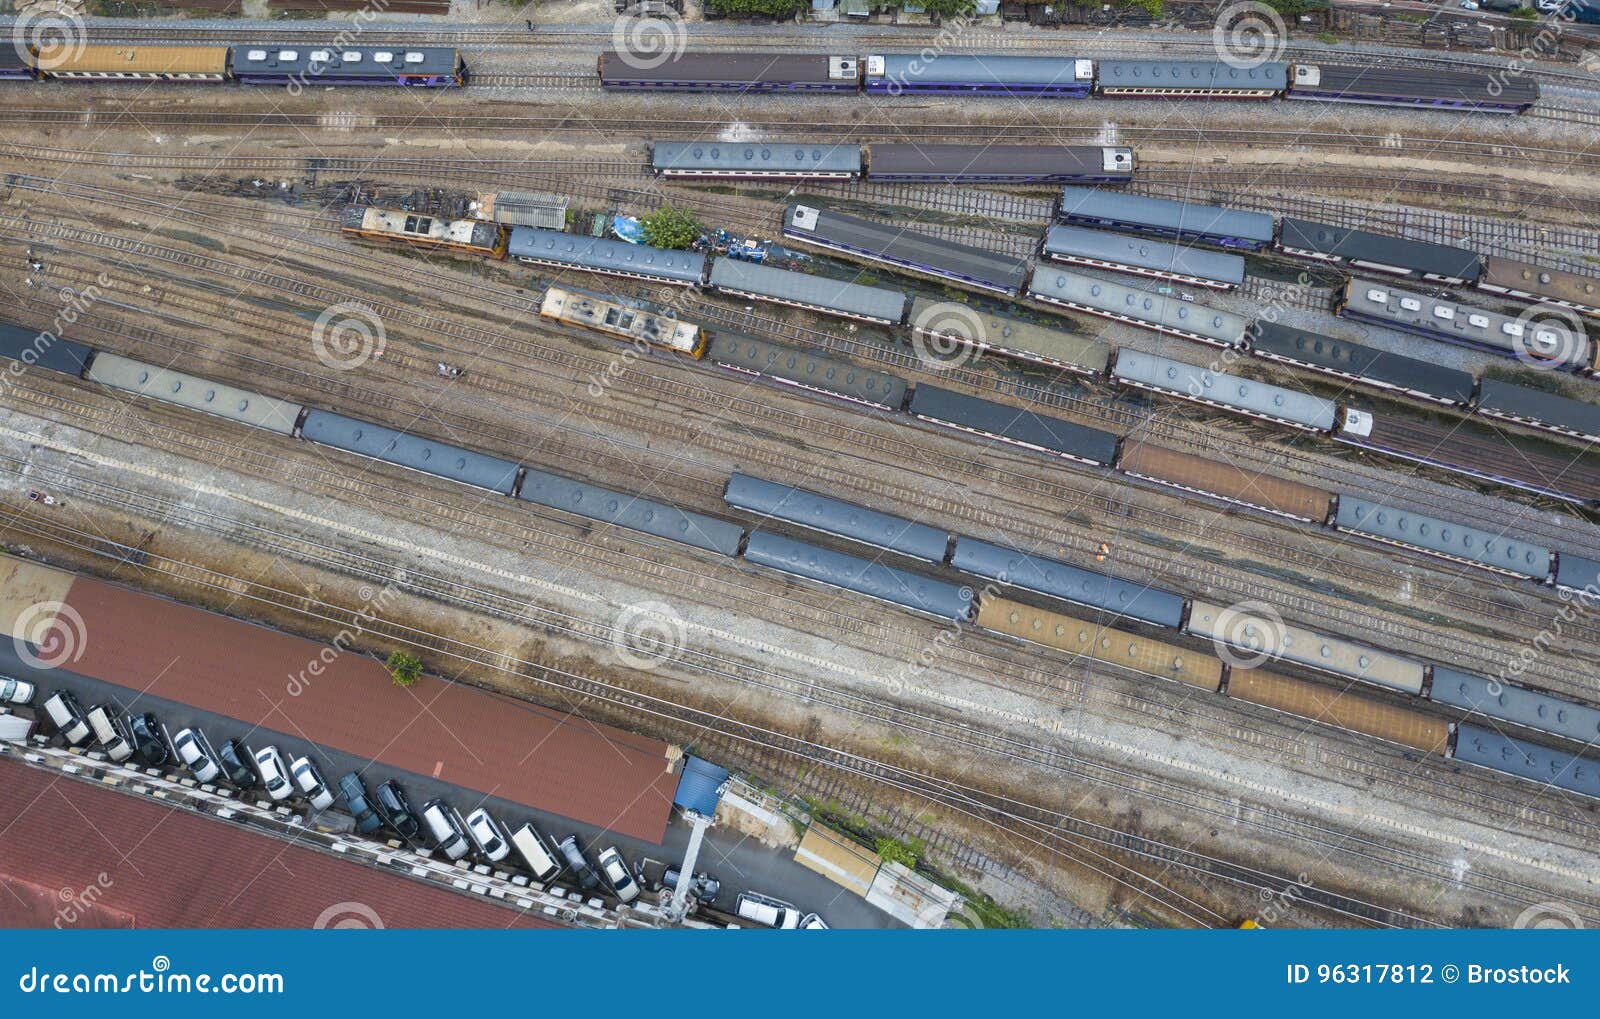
[[1001, 164], [904, 249], [413, 67], [735, 72], [1191, 79], [1404, 86], [1207, 224], [1062, 77]]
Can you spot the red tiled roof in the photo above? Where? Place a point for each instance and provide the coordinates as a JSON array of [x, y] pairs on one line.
[[496, 745], [97, 858]]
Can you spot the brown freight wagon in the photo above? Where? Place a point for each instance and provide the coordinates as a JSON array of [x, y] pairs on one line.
[[1331, 706], [1536, 283], [1227, 482]]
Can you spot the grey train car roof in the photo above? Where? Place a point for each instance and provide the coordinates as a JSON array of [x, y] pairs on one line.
[[195, 393], [425, 455], [311, 59], [43, 348], [1576, 573], [1368, 249], [1144, 253], [825, 566], [1019, 426], [801, 68], [603, 254], [1242, 626], [1342, 357], [1477, 745], [808, 370], [956, 160], [837, 517], [899, 246], [1166, 214], [1012, 336], [1465, 323], [1069, 583], [1514, 704], [1432, 83], [1442, 537], [988, 68], [1053, 284], [631, 512], [843, 298], [1245, 395], [1192, 74], [776, 157], [1519, 403]]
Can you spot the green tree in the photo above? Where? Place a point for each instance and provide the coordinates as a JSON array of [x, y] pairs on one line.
[[947, 9], [405, 669], [769, 8], [895, 851], [669, 228], [1154, 8]]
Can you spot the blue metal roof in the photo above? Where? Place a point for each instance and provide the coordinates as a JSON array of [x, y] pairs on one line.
[[1515, 704], [825, 566], [1477, 745], [425, 455], [1165, 214], [602, 254], [1060, 580], [991, 68], [835, 516], [851, 299], [1143, 253], [630, 511], [700, 787]]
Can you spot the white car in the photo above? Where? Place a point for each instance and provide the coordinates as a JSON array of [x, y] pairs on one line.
[[15, 691], [616, 873], [274, 776], [309, 779], [487, 834], [194, 750]]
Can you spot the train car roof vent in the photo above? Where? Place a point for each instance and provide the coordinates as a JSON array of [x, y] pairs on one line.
[[842, 67], [1307, 74], [805, 217], [1084, 69]]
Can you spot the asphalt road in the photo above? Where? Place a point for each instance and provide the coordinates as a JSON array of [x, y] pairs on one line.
[[740, 864]]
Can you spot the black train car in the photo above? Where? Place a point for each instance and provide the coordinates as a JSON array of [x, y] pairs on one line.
[[44, 349], [1534, 407], [1404, 86], [1367, 365]]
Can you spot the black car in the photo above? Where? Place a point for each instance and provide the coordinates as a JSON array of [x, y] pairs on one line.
[[355, 797], [397, 810], [239, 773], [147, 740]]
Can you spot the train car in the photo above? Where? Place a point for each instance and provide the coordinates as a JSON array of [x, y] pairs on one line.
[[986, 332], [734, 72], [1013, 568], [1443, 538], [1099, 643], [1536, 283], [1511, 402], [1013, 425], [906, 250], [194, 393], [1550, 341], [806, 370], [1508, 703], [989, 74], [636, 325], [311, 67], [377, 442], [1143, 257], [1190, 79], [473, 236], [1577, 574], [1229, 392], [556, 250], [1185, 221], [630, 512], [763, 160], [1253, 634], [1477, 452], [16, 63], [837, 517], [1406, 86], [1519, 758], [1222, 480], [1157, 312], [814, 293], [191, 64], [851, 573], [44, 349], [1000, 164], [1366, 365], [1363, 249], [1342, 708]]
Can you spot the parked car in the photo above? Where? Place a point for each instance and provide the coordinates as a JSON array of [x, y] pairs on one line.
[[487, 835], [111, 732], [396, 810], [542, 864], [147, 740], [616, 872], [274, 774], [813, 922], [359, 804], [588, 880], [66, 714], [767, 912], [15, 691], [702, 886], [232, 756], [309, 779], [194, 750], [445, 829]]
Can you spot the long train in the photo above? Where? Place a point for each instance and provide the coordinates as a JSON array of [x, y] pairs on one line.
[[1069, 78], [313, 65], [1240, 631]]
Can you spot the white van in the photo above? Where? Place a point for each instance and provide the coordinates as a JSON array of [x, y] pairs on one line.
[[440, 818], [111, 733], [534, 853], [66, 714], [767, 912]]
